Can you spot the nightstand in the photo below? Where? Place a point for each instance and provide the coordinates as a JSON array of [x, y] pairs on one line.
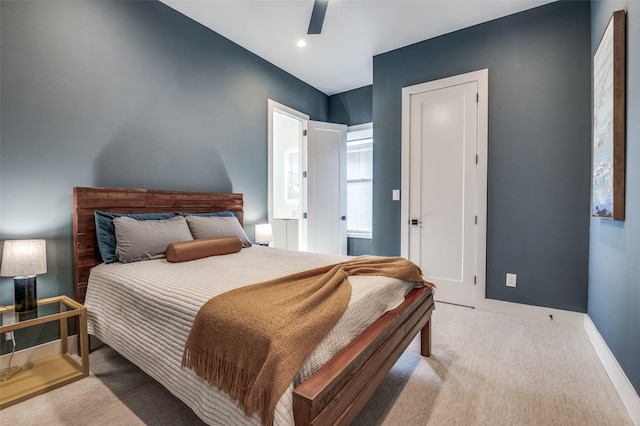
[[42, 375]]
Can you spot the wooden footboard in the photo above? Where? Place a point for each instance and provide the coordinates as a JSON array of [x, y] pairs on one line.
[[338, 390]]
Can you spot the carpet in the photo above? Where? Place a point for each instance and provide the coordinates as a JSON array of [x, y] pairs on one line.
[[485, 369]]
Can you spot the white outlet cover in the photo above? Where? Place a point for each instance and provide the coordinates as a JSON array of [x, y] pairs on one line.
[[511, 280]]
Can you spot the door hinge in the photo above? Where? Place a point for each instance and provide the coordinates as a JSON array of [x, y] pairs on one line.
[[304, 215], [474, 280], [304, 174], [477, 97], [304, 132], [476, 220], [476, 158]]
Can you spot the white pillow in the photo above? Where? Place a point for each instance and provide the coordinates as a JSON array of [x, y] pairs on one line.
[[147, 239], [216, 227]]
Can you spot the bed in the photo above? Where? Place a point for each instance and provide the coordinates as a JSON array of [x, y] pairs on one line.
[[333, 392]]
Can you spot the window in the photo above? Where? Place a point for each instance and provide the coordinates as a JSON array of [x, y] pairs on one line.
[[360, 181]]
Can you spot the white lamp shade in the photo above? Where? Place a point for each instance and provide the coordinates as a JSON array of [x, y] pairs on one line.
[[23, 257], [264, 233]]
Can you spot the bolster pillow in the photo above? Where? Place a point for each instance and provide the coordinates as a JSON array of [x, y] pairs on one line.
[[197, 249]]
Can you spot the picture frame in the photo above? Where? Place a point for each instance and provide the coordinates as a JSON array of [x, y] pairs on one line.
[[609, 127]]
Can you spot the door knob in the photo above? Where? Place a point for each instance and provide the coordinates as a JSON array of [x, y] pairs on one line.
[[343, 218], [415, 222]]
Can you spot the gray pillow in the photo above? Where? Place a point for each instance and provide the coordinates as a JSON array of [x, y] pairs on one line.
[[147, 239], [216, 227]]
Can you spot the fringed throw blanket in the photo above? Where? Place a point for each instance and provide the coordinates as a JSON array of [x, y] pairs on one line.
[[250, 342]]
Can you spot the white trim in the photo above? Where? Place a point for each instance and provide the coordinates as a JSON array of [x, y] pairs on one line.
[[481, 77], [621, 383], [539, 313], [35, 353], [625, 390], [358, 127], [359, 235], [359, 132], [304, 118]]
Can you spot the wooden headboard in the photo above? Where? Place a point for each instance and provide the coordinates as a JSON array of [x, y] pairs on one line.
[[121, 200]]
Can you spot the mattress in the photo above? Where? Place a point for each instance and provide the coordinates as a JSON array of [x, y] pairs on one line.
[[144, 311]]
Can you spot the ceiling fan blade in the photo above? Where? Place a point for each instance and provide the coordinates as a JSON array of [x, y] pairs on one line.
[[317, 16]]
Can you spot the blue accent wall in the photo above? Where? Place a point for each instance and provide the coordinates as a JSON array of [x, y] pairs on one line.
[[614, 249], [539, 65], [352, 107], [126, 94]]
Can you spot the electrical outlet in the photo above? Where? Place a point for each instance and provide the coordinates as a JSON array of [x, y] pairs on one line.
[[511, 280], [8, 335]]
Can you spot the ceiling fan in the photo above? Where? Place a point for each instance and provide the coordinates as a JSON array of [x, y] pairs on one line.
[[317, 16]]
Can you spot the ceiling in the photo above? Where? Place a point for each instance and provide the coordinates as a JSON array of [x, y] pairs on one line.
[[341, 57]]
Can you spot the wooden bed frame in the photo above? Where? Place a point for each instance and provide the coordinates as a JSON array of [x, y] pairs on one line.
[[336, 392]]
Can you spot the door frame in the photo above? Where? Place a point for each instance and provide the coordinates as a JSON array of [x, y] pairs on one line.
[[481, 77], [304, 118]]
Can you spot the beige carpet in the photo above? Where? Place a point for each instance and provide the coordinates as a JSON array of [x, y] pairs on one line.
[[489, 369], [486, 369]]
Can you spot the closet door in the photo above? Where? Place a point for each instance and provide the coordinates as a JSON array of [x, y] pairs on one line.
[[326, 183]]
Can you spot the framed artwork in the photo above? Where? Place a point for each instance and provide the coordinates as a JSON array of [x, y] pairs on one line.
[[608, 166]]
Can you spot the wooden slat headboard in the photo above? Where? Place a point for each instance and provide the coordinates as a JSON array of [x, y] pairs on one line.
[[121, 200]]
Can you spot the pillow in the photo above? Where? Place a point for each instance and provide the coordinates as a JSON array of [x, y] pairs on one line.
[[216, 227], [147, 239], [210, 214], [197, 249], [106, 234]]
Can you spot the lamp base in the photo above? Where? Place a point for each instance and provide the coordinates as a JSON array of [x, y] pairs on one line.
[[25, 293], [8, 373]]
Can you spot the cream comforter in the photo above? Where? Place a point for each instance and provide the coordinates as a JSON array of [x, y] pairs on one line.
[[145, 310]]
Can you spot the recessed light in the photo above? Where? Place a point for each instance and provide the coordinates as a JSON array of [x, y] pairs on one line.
[[301, 43]]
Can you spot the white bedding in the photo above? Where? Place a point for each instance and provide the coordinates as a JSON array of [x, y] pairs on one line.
[[144, 310]]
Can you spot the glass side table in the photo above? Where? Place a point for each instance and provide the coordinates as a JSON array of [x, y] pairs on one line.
[[50, 372]]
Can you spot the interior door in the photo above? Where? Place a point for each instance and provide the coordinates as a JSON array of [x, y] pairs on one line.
[[326, 184], [286, 141], [443, 189]]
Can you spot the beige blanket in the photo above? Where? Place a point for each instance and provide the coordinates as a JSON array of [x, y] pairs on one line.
[[250, 342]]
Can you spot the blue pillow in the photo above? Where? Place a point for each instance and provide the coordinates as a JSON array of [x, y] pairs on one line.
[[106, 234]]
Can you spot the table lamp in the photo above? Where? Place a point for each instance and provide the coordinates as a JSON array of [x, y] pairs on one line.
[[264, 234], [23, 260]]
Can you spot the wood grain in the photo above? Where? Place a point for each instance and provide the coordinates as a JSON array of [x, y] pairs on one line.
[[124, 200], [338, 390]]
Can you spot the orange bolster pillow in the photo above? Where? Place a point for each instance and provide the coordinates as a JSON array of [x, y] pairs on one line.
[[197, 249]]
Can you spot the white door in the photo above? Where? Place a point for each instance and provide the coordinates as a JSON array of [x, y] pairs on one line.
[[286, 142], [326, 184], [306, 182], [443, 187]]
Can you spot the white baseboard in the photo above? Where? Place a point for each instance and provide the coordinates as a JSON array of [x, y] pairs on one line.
[[621, 383], [574, 319], [34, 353], [627, 393]]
